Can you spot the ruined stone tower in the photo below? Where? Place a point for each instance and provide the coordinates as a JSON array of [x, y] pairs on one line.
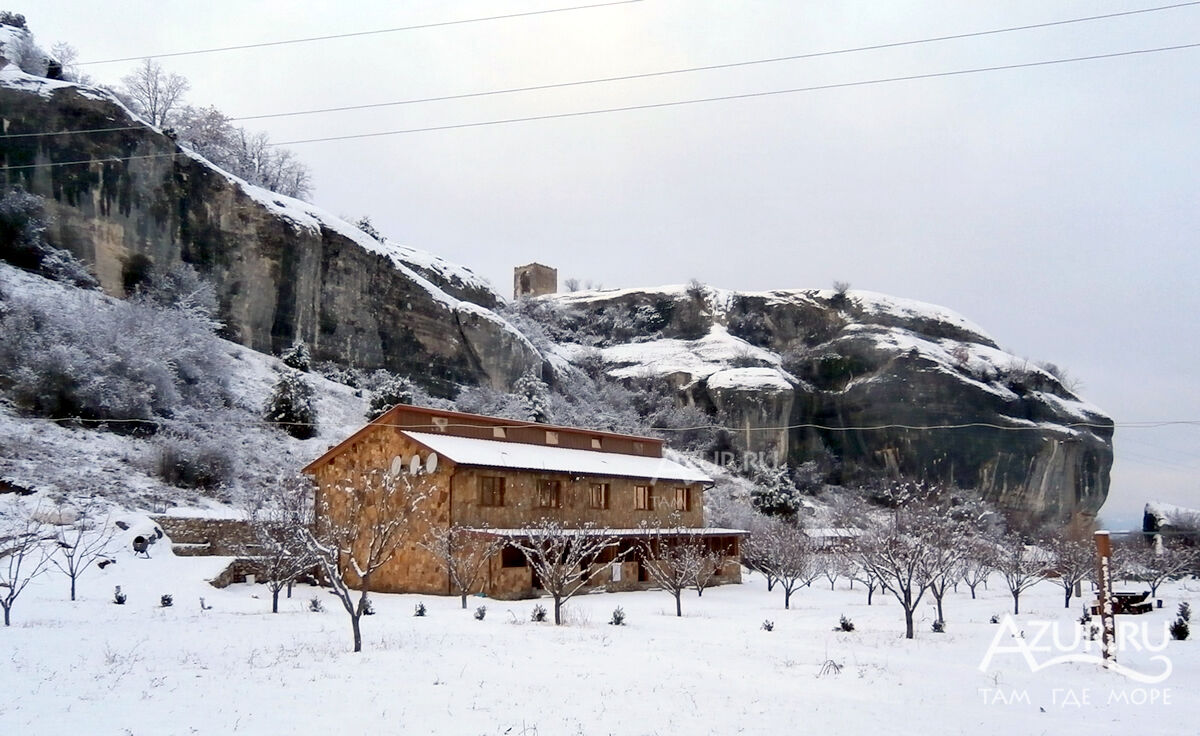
[[534, 279]]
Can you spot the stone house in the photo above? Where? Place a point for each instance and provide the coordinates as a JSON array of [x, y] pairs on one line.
[[499, 476]]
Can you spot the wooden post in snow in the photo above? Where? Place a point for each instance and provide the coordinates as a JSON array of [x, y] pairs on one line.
[[1108, 625]]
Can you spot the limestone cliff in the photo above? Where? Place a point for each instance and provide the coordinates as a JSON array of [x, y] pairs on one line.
[[880, 385], [124, 198]]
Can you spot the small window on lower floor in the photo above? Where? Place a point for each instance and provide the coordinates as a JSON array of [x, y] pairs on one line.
[[491, 490], [683, 499], [599, 495], [549, 494], [643, 498]]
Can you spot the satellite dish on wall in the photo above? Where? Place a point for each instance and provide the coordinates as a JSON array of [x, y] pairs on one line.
[[414, 465], [431, 462], [397, 465]]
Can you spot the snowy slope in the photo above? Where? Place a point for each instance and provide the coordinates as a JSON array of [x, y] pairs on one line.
[[65, 461]]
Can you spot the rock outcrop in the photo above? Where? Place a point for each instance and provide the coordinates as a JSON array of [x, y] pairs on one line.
[[866, 384], [125, 198]]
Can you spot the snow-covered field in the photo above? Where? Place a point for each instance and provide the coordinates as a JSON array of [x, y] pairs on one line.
[[92, 667]]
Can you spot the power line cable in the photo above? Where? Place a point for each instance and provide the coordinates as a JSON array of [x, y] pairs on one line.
[[651, 106], [711, 67], [744, 96], [378, 31], [646, 75], [1145, 424]]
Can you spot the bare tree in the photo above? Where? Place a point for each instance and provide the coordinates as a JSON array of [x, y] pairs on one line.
[[978, 564], [464, 554], [361, 524], [788, 554], [864, 575], [1021, 565], [707, 566], [1152, 566], [82, 543], [901, 554], [672, 558], [279, 516], [756, 551], [832, 565], [23, 556], [562, 558], [1074, 560], [68, 56], [154, 92]]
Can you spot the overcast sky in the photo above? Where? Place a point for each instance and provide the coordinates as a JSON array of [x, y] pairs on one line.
[[1057, 206]]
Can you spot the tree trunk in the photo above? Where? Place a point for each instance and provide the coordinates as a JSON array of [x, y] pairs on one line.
[[464, 601], [678, 606], [787, 597], [354, 619], [72, 587], [289, 589], [972, 587], [870, 593], [908, 623], [938, 598], [275, 599], [6, 619], [557, 611], [1016, 603], [1067, 599]]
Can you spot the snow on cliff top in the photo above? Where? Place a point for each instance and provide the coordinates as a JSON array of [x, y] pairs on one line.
[[407, 259], [872, 305], [697, 358], [760, 379], [1169, 514]]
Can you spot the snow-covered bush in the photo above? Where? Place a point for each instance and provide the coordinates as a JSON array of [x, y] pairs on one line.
[[167, 600], [291, 406], [618, 617], [845, 624], [394, 390], [364, 223], [533, 395], [133, 364], [1179, 629], [193, 459], [118, 597], [419, 610], [480, 613], [183, 289], [774, 493], [23, 243], [539, 613], [768, 625], [9, 18], [297, 357], [938, 627], [315, 605]]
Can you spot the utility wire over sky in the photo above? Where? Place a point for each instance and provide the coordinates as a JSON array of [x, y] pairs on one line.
[[601, 111], [374, 32], [686, 70]]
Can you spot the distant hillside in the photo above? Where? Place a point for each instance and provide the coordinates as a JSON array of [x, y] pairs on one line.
[[853, 381]]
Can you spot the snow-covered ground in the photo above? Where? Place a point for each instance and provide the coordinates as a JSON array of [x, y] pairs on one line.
[[92, 667]]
